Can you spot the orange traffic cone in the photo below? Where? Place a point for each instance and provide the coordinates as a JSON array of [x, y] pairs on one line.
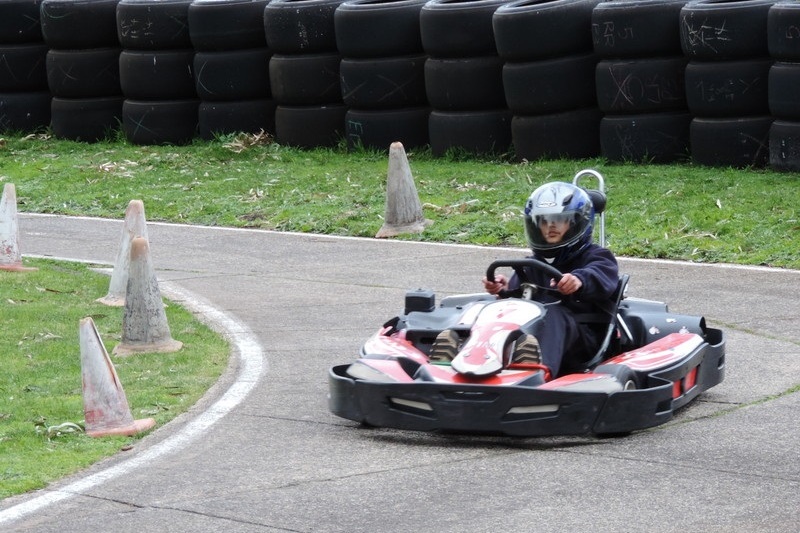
[[10, 256], [105, 406], [403, 212], [144, 322], [134, 226]]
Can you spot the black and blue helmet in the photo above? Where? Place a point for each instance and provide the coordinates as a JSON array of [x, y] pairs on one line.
[[564, 201]]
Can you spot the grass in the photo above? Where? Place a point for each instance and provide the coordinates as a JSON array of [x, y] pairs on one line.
[[678, 211], [40, 387]]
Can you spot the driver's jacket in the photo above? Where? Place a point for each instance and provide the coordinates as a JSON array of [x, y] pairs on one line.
[[598, 271]]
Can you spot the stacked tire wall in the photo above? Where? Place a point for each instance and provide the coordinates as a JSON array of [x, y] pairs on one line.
[[548, 77], [304, 72], [24, 95], [783, 30], [640, 81], [156, 71], [464, 77], [382, 73], [727, 81], [82, 67], [231, 66]]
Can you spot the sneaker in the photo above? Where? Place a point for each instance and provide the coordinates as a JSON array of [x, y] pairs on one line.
[[526, 351], [445, 347]]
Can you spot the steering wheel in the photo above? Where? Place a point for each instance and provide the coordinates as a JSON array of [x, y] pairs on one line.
[[519, 265]]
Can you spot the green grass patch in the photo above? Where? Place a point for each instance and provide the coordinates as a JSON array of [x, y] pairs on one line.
[[678, 211], [40, 385]]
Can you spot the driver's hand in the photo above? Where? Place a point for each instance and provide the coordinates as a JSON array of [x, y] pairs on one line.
[[569, 284], [493, 287]]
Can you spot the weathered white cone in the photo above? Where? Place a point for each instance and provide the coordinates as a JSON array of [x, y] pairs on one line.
[[144, 322], [403, 209], [135, 226], [10, 255], [105, 406]]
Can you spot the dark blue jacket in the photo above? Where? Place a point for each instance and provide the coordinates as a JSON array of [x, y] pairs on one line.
[[597, 269]]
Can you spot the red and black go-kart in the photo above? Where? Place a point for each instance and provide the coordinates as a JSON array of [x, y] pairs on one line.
[[651, 363]]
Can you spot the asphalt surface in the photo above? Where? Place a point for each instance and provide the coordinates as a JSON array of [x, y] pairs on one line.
[[262, 453]]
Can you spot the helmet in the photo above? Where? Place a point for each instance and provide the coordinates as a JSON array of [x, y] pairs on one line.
[[555, 204]]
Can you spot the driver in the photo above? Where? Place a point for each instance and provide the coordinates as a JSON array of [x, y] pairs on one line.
[[559, 218]]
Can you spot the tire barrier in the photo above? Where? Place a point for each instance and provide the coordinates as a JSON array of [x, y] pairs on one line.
[[578, 78], [156, 71], [464, 78], [726, 80], [783, 43], [548, 77], [24, 95], [381, 46], [304, 72], [82, 68], [639, 81], [231, 64]]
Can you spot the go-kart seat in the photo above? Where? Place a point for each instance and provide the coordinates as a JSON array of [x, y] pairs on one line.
[[613, 324]]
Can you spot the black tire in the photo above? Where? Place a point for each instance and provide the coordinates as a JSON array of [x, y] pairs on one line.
[[783, 31], [27, 112], [784, 98], [157, 74], [623, 374], [300, 26], [476, 132], [536, 29], [244, 116], [305, 79], [85, 73], [738, 142], [377, 130], [458, 28], [573, 134], [78, 24], [651, 137], [156, 122], [23, 67], [637, 28], [153, 24], [461, 84], [227, 24], [784, 145], [550, 85], [384, 83], [310, 126], [19, 21], [233, 74], [378, 28], [86, 119], [718, 30], [728, 88], [641, 85]]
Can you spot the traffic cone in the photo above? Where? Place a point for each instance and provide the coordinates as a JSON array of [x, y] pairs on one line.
[[10, 256], [144, 322], [403, 209], [105, 406], [134, 226]]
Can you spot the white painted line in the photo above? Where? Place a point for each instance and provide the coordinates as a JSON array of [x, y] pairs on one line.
[[731, 266], [251, 358]]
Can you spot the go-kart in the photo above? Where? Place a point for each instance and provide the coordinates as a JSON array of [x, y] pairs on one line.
[[411, 376]]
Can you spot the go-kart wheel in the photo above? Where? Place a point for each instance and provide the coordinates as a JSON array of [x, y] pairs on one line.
[[623, 374]]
